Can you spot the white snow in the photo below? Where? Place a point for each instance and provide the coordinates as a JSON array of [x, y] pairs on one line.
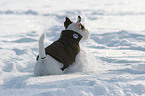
[[113, 57]]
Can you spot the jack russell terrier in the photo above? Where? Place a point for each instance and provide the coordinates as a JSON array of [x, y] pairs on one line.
[[57, 57]]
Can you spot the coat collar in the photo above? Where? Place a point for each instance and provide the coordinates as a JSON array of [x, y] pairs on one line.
[[71, 34]]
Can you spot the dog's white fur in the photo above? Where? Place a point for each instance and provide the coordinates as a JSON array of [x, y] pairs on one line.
[[48, 65]]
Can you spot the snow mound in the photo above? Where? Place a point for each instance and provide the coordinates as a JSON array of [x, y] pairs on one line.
[[85, 62]]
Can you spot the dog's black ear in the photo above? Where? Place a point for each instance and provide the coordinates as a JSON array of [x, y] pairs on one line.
[[67, 22], [82, 27], [79, 19]]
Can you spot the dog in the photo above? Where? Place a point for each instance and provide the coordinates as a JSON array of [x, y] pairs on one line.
[[58, 56]]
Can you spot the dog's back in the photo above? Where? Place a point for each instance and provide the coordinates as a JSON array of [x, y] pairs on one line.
[[66, 48]]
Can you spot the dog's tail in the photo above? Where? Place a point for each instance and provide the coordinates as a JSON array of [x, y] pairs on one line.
[[41, 47]]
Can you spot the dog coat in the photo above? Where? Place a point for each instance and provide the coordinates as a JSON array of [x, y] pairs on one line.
[[65, 48]]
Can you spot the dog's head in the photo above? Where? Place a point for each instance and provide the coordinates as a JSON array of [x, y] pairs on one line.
[[77, 27]]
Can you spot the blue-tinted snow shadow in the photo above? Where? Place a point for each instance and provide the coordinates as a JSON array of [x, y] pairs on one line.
[[69, 86], [22, 40], [16, 82], [19, 64], [54, 32], [131, 71], [28, 12], [127, 70], [25, 40], [112, 60], [120, 40], [19, 51]]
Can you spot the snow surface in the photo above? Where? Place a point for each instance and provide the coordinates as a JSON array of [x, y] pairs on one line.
[[114, 63]]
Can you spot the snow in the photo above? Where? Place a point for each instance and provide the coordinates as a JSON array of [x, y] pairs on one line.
[[113, 57]]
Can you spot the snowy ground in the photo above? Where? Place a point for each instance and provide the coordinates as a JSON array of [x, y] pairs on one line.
[[117, 43]]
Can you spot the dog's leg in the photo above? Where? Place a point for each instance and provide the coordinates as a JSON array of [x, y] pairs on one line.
[[41, 48]]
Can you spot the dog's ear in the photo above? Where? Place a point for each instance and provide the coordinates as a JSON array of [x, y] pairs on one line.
[[67, 22], [79, 19], [82, 27]]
